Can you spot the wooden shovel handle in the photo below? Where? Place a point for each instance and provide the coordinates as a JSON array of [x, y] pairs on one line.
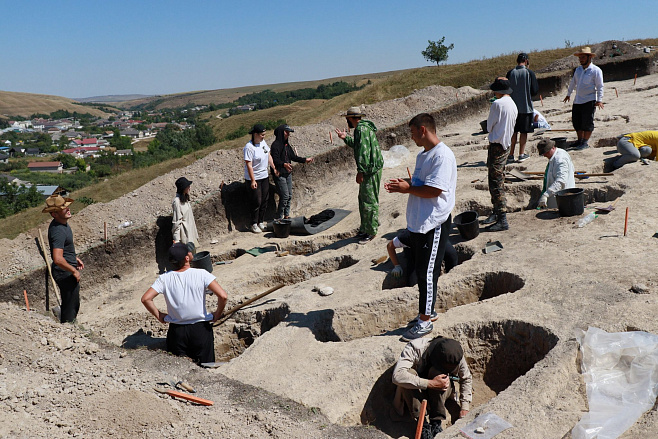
[[242, 305], [182, 395], [421, 419]]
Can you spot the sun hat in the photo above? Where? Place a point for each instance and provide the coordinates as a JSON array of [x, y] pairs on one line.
[[501, 86], [544, 146], [55, 203], [585, 51], [446, 355], [182, 184], [354, 112], [258, 128]]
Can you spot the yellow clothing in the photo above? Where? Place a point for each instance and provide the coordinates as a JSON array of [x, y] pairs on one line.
[[645, 138]]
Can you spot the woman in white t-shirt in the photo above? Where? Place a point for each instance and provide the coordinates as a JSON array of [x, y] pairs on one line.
[[257, 159]]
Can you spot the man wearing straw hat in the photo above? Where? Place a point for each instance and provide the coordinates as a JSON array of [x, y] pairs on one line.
[[587, 80], [369, 165], [66, 265]]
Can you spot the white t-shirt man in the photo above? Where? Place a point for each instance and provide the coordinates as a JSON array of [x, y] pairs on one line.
[[184, 293], [501, 120], [259, 156], [436, 168]]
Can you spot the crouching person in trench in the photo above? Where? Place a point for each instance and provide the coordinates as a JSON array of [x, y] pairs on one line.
[[427, 370], [190, 330]]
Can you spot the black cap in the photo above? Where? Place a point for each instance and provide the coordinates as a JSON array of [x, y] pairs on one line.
[[501, 86], [522, 57], [287, 128], [182, 184], [258, 128], [177, 253], [446, 355]]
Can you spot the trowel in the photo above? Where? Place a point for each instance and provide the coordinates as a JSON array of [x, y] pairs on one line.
[[492, 246]]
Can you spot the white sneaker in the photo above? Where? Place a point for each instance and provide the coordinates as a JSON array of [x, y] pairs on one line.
[[262, 226], [256, 229]]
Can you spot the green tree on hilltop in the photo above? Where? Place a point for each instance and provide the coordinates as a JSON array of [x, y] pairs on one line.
[[437, 51]]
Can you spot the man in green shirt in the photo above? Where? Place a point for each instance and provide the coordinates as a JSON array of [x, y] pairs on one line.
[[369, 164]]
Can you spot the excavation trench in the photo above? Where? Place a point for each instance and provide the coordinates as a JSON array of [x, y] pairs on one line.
[[391, 313], [497, 353]]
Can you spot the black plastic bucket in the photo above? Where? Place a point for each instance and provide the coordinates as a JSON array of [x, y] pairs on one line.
[[202, 260], [281, 228], [483, 125], [467, 224], [570, 202], [560, 142]]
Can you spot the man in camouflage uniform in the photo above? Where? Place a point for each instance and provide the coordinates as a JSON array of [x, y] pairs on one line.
[[369, 164]]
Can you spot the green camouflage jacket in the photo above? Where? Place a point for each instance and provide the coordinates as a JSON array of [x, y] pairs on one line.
[[367, 153]]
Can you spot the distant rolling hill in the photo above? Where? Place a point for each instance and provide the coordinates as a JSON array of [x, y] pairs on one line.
[[26, 104], [112, 98]]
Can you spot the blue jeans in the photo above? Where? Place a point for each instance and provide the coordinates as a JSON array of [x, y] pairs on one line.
[[284, 184]]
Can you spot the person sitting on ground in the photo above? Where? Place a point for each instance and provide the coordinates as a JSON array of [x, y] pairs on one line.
[[634, 146], [403, 240], [282, 156], [190, 330], [539, 121], [427, 370], [559, 172]]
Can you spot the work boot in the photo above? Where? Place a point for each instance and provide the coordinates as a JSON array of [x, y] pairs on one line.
[[499, 225], [490, 219], [426, 432], [436, 428]]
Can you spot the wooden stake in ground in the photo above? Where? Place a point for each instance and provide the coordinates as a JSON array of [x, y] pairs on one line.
[[331, 138], [105, 231], [421, 419], [27, 304], [541, 100], [616, 92], [409, 172], [626, 222], [634, 80]]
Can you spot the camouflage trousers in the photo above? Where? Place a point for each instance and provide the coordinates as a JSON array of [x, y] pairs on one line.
[[369, 202], [496, 160]]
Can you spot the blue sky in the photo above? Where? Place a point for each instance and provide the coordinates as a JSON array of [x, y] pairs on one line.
[[88, 48]]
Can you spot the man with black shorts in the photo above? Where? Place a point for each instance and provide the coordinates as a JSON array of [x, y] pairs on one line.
[[524, 86], [587, 80], [190, 325], [66, 265]]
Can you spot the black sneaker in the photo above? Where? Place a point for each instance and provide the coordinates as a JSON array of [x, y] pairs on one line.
[[436, 428], [574, 145], [361, 234], [366, 239], [490, 219], [523, 157], [582, 146], [426, 432]]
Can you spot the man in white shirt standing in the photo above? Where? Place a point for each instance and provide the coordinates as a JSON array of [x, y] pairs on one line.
[[500, 125], [190, 330], [588, 81], [431, 192]]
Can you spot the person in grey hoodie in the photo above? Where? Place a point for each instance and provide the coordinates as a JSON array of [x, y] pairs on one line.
[[524, 86], [282, 156]]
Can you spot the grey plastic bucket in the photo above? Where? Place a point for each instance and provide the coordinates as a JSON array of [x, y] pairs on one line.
[[467, 224], [202, 260], [570, 202], [281, 228]]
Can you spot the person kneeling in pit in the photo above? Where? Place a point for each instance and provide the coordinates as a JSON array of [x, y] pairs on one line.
[[427, 370], [559, 172], [190, 330]]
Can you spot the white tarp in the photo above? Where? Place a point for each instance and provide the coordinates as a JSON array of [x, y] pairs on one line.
[[621, 373]]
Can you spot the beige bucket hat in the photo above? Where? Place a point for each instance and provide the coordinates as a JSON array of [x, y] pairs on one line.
[[354, 112]]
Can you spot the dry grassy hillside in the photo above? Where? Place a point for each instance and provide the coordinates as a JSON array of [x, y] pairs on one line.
[[26, 104]]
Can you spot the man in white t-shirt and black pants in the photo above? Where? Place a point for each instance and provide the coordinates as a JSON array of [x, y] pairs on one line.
[[431, 200], [190, 325]]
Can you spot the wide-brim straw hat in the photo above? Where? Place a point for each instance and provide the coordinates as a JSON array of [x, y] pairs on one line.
[[585, 51], [353, 112], [55, 203]]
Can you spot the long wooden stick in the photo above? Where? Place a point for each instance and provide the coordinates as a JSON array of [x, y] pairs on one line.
[[182, 395], [27, 303], [250, 301], [421, 419], [50, 272], [626, 222]]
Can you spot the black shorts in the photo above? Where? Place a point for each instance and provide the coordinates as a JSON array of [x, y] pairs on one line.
[[195, 340], [582, 116], [524, 123]]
